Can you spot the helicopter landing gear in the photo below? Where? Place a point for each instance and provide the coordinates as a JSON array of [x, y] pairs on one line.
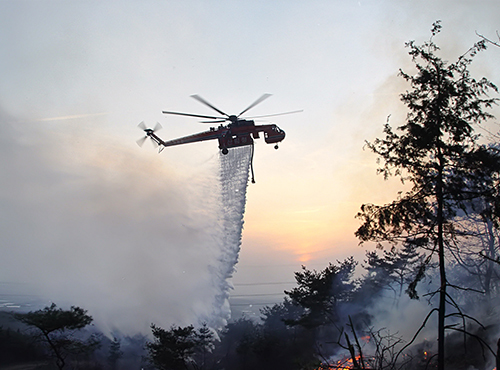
[[225, 151], [276, 147]]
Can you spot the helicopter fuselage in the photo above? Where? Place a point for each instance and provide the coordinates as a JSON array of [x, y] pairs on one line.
[[240, 133]]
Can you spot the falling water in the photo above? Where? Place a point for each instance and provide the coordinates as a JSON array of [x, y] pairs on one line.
[[234, 170]]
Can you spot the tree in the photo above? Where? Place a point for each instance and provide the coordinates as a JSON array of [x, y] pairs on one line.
[[114, 353], [438, 152], [175, 348], [478, 255], [282, 345], [390, 271], [320, 293], [235, 348], [172, 348], [275, 317], [57, 327], [204, 344], [17, 347]]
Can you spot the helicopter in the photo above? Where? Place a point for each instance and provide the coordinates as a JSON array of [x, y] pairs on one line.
[[236, 133]]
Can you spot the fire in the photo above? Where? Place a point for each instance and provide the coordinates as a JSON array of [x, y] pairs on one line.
[[344, 364], [366, 338]]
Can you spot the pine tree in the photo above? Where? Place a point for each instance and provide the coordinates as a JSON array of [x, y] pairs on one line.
[[56, 327], [438, 152]]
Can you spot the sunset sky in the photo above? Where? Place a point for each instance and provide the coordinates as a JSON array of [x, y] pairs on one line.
[[90, 218]]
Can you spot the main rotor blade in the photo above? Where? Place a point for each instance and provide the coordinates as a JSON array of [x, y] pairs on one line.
[[258, 101], [276, 114], [217, 121], [203, 101], [192, 115]]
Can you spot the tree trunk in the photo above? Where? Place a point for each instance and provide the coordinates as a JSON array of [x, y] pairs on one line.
[[442, 267], [498, 355], [59, 358], [491, 256]]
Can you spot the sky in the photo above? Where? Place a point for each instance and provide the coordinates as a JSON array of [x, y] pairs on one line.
[[89, 218]]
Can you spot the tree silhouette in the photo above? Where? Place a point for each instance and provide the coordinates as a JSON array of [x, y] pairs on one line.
[[57, 326], [320, 293], [391, 271], [172, 348], [180, 347], [438, 152], [114, 354]]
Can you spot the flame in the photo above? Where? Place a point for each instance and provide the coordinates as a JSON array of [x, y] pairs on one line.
[[366, 338], [344, 364]]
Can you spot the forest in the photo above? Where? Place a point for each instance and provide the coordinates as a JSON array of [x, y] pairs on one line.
[[437, 242]]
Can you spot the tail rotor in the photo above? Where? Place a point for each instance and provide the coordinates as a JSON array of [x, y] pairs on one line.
[[148, 132]]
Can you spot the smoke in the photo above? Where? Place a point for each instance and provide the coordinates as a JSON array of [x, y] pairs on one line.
[[91, 221]]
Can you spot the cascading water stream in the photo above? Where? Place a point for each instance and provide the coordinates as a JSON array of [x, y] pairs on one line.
[[234, 171]]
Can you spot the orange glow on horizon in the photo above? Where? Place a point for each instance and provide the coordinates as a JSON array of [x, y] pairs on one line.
[[304, 258], [315, 217]]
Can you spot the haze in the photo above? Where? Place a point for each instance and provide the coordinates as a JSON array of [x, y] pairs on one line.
[[89, 218]]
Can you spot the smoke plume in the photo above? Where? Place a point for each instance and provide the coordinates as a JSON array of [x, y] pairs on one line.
[[130, 236]]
